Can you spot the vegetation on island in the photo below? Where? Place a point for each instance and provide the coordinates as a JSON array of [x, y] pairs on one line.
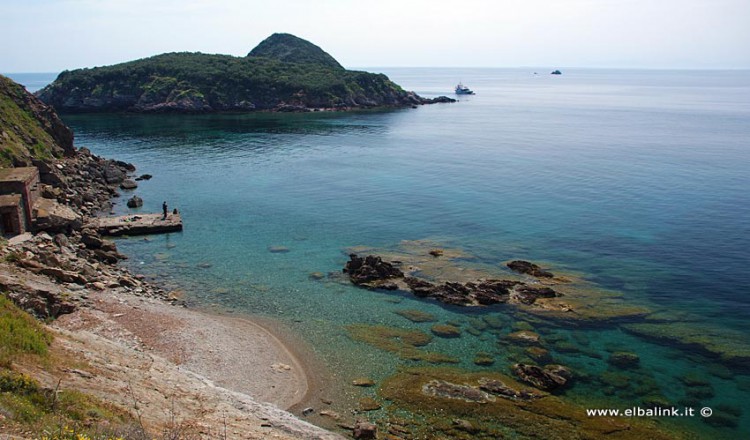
[[283, 73]]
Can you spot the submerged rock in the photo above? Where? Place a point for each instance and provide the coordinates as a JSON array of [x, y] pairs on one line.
[[368, 404], [622, 359], [524, 337], [416, 315], [403, 342], [449, 390], [529, 268], [445, 331], [363, 382], [498, 406], [484, 359], [549, 378]]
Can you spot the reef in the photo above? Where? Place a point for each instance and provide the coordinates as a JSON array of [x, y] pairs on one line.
[[729, 347], [402, 342], [455, 277], [416, 315], [497, 406]]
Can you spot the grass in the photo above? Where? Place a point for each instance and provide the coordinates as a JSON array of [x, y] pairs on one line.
[[24, 136], [54, 414], [20, 334]]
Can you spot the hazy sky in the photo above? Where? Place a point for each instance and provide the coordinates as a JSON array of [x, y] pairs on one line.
[[53, 35]]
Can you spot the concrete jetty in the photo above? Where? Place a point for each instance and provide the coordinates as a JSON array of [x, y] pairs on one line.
[[137, 224]]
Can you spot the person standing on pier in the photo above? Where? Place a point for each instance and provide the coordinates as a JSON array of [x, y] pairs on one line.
[[164, 208]]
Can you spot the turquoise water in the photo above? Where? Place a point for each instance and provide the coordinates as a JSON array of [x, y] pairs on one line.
[[636, 179]]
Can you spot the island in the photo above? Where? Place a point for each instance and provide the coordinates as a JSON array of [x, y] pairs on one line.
[[283, 73]]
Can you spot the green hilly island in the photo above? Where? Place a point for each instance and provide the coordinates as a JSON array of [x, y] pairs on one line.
[[283, 73]]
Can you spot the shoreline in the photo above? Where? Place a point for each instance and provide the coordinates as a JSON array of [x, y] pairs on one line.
[[316, 374], [238, 352]]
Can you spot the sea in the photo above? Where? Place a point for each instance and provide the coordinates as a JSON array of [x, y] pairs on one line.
[[636, 181]]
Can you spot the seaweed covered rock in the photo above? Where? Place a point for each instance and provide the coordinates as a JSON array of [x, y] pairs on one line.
[[622, 359], [549, 378]]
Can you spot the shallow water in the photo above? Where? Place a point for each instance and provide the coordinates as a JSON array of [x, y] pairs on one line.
[[638, 180]]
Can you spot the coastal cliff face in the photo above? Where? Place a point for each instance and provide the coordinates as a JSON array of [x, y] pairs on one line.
[[29, 129], [283, 73]]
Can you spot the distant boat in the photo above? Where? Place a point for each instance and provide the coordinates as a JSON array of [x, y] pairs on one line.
[[555, 72], [463, 90]]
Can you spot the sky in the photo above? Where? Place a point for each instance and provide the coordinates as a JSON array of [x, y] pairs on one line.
[[54, 35]]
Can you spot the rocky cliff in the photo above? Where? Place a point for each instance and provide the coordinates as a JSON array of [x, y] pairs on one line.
[[29, 129], [283, 73]]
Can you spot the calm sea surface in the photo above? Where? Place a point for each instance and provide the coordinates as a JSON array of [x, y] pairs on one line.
[[639, 180]]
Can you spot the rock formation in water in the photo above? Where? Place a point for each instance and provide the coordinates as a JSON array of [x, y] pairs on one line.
[[374, 273]]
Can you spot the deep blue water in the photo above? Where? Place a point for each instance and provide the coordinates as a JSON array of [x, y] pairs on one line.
[[636, 179]]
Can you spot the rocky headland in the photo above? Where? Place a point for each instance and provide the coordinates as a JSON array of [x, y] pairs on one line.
[[283, 73]]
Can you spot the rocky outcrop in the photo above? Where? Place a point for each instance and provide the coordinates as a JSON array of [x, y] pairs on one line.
[[549, 378], [370, 271], [374, 273]]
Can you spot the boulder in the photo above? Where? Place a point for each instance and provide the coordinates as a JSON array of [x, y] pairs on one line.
[[91, 239], [128, 184], [135, 202], [54, 217], [113, 174]]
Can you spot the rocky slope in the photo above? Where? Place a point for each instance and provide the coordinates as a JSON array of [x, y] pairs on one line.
[[29, 129], [284, 73]]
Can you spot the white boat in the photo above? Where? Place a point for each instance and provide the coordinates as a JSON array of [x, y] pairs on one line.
[[463, 90]]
